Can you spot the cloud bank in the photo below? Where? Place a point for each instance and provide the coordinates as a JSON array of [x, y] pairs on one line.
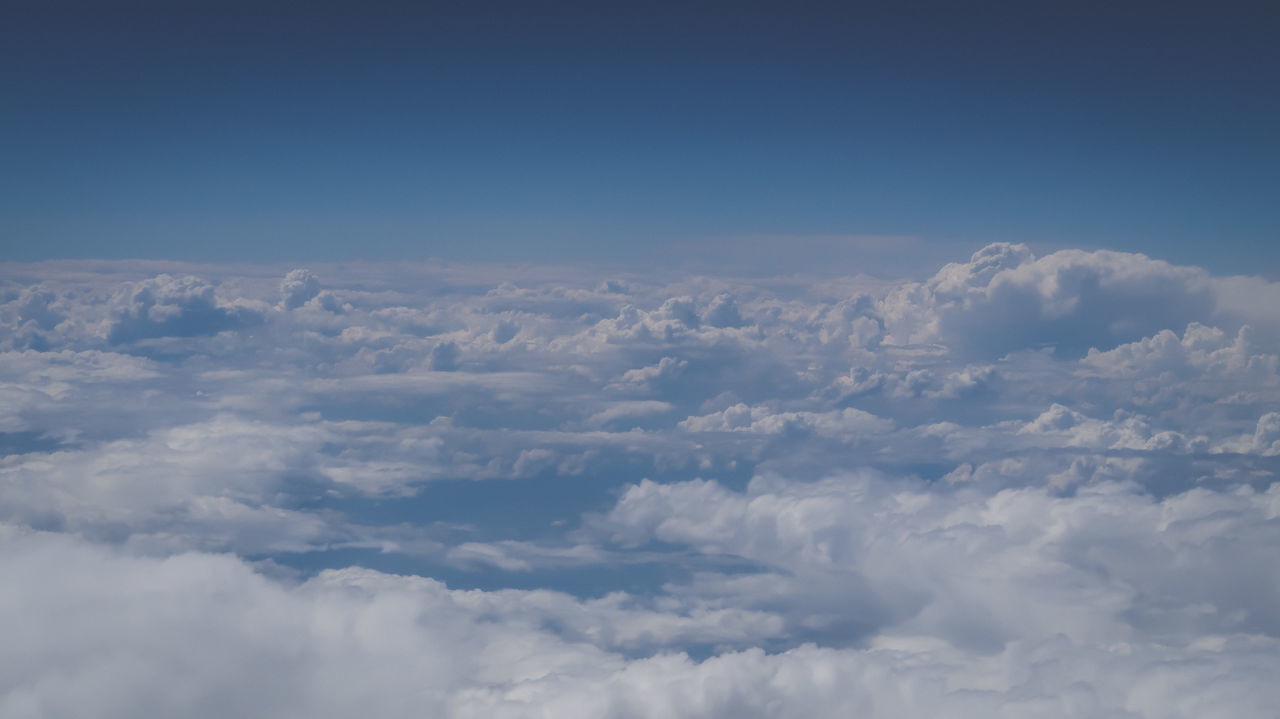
[[1025, 486]]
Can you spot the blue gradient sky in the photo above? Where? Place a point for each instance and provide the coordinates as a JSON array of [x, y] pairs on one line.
[[281, 131]]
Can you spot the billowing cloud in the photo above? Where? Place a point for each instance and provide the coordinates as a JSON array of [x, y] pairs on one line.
[[168, 306], [1004, 299], [200, 635], [1023, 486], [297, 287]]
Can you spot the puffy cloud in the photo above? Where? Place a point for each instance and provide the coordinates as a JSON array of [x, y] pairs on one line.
[[36, 305], [975, 568], [1004, 299], [723, 312], [846, 423], [197, 635], [200, 485], [666, 370], [166, 306], [1024, 486], [297, 287], [1264, 440], [1060, 424], [1200, 350]]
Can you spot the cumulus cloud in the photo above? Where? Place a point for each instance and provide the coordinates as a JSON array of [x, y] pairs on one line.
[[199, 635], [977, 569], [1023, 486], [168, 306], [848, 422], [297, 287], [1004, 299], [35, 305], [1200, 350], [723, 312]]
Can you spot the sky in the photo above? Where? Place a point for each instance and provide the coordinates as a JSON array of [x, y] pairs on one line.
[[705, 362], [276, 131]]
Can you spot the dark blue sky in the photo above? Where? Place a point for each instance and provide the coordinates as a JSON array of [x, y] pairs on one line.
[[280, 131]]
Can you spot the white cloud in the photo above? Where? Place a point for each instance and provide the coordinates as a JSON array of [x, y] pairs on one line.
[[976, 568], [297, 287], [847, 423], [625, 410], [96, 633], [1004, 299], [1024, 486], [168, 306]]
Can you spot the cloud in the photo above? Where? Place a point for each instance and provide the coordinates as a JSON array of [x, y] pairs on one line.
[[723, 312], [1201, 350], [1004, 300], [444, 357], [1264, 440], [36, 305], [977, 568], [625, 410], [197, 635], [297, 287], [667, 369], [847, 423], [1020, 486], [166, 306]]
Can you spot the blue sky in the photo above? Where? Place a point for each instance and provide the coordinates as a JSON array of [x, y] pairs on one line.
[[543, 130]]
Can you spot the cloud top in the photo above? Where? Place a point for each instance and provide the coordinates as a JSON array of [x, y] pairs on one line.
[[1022, 486]]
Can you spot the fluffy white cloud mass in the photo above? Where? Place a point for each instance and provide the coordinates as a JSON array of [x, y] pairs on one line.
[[1021, 487]]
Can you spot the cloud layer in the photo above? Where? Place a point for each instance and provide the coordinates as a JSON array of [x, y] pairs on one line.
[[1023, 486]]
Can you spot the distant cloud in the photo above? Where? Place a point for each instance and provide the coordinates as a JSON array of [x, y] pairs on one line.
[[297, 287], [167, 306], [1004, 300]]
